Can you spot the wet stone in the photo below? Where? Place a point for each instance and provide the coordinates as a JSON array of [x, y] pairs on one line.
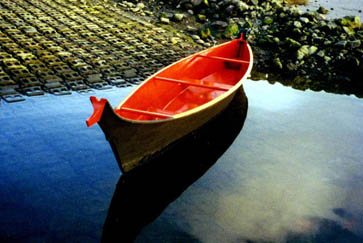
[[7, 91], [33, 91], [59, 91], [11, 98], [131, 73], [178, 17], [117, 80], [101, 85], [59, 49], [164, 20]]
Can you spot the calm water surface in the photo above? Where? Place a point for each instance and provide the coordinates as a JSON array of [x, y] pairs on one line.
[[293, 174], [337, 8]]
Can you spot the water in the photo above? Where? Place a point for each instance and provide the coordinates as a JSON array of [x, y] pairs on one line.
[[337, 8], [293, 174]]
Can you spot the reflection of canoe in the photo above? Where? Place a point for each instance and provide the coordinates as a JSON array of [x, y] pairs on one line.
[[160, 182], [173, 102]]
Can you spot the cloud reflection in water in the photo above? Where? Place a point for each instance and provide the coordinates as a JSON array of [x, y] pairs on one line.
[[297, 163]]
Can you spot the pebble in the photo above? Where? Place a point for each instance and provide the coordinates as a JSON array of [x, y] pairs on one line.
[[164, 20], [178, 16]]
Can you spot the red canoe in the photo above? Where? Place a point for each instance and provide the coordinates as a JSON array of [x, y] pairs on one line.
[[173, 102]]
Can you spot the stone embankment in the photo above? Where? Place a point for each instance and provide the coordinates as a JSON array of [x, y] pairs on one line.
[[65, 46], [301, 49]]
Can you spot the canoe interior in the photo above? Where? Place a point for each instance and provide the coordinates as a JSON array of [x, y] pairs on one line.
[[189, 83]]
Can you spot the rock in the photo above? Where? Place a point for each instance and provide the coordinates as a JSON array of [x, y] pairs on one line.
[[290, 66], [295, 11], [229, 10], [322, 10], [302, 52], [140, 5], [206, 44], [202, 17], [355, 22], [327, 59], [231, 30], [276, 40], [342, 43], [188, 6], [277, 63], [355, 44], [350, 21], [348, 30], [241, 6], [321, 53], [130, 73], [196, 2], [200, 41], [297, 24], [303, 38], [165, 15], [129, 4], [195, 37], [268, 20], [221, 25], [304, 20], [178, 16], [192, 29], [149, 13], [342, 21], [205, 33], [248, 24], [164, 20], [174, 40], [312, 49], [292, 43]]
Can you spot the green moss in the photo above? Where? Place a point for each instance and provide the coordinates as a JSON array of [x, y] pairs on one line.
[[205, 33], [268, 20], [231, 30]]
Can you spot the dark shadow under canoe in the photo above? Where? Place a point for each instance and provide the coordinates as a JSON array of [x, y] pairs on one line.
[[143, 193]]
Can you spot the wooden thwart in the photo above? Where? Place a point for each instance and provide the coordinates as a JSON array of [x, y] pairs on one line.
[[190, 83], [224, 59], [142, 112]]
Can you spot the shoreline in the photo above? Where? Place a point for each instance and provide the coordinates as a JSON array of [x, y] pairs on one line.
[[101, 44], [305, 47], [336, 8]]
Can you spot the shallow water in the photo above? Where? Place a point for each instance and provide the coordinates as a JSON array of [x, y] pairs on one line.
[[297, 161], [293, 173], [337, 8]]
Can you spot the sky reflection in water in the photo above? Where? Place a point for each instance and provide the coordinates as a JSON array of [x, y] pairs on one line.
[[295, 170], [296, 165]]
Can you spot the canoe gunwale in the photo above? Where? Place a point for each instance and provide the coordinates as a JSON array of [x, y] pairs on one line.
[[201, 107], [134, 140]]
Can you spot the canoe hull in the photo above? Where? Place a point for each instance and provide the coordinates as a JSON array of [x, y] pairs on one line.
[[132, 142], [173, 102]]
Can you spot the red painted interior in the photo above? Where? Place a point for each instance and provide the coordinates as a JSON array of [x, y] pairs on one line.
[[188, 84]]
